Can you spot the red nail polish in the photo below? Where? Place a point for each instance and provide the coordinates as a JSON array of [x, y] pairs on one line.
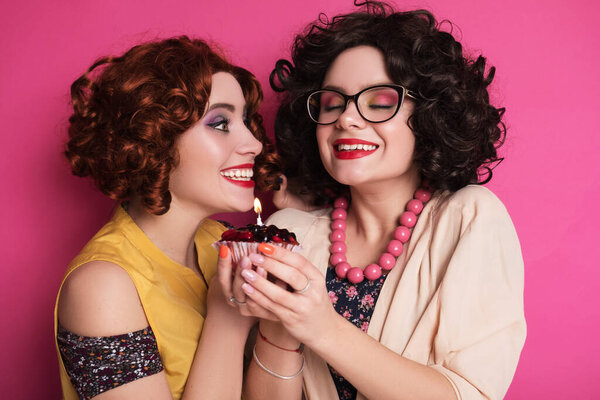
[[223, 251], [266, 248]]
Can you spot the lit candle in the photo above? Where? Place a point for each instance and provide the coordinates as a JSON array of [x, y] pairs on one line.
[[258, 210]]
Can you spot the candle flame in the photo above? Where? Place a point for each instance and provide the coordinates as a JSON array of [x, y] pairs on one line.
[[257, 206]]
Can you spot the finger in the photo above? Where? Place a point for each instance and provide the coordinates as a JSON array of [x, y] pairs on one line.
[[290, 258], [265, 302], [284, 272], [236, 286], [224, 269], [272, 291], [252, 309]]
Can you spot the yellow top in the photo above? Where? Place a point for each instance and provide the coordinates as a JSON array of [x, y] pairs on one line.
[[172, 295]]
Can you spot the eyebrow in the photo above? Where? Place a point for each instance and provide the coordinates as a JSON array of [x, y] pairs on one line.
[[226, 106], [340, 89]]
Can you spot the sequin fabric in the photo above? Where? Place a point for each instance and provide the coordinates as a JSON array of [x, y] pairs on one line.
[[98, 364]]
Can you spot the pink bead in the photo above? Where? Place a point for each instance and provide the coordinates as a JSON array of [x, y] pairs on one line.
[[340, 202], [408, 218], [341, 270], [355, 275], [415, 206], [402, 233], [372, 272], [338, 224], [338, 213], [337, 235], [337, 247], [395, 248], [423, 195], [387, 261], [337, 258]]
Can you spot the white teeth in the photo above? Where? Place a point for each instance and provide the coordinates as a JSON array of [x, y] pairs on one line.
[[350, 147], [238, 174]]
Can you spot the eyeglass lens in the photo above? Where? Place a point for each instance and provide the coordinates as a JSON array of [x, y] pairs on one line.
[[374, 105]]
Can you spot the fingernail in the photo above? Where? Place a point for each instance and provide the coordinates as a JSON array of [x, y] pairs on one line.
[[257, 258], [261, 271], [247, 288], [223, 251], [266, 248], [249, 275]]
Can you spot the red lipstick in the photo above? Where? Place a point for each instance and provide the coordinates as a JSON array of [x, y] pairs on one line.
[[241, 166], [341, 150], [245, 182]]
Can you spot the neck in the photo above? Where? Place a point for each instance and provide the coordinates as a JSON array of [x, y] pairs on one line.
[[173, 232], [376, 208]]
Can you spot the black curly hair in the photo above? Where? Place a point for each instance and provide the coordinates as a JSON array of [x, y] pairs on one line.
[[457, 131]]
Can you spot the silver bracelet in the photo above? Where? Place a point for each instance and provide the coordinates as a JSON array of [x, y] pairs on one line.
[[275, 374]]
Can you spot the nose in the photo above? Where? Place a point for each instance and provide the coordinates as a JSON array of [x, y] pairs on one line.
[[350, 118], [250, 144]]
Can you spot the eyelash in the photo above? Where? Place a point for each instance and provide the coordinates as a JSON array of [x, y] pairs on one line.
[[221, 121]]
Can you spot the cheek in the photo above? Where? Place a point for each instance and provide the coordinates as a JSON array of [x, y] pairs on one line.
[[199, 159], [400, 141]]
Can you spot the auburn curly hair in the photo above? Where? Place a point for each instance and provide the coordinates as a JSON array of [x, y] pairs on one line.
[[457, 130], [128, 112]]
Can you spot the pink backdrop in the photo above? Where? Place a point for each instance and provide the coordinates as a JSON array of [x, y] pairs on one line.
[[547, 58]]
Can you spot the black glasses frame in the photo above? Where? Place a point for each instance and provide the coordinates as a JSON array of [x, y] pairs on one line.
[[402, 91]]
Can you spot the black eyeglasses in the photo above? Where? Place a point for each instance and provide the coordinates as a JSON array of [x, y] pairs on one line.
[[375, 104]]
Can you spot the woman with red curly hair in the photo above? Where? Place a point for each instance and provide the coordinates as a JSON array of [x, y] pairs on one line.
[[170, 130]]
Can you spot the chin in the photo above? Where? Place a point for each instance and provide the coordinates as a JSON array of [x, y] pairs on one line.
[[350, 178], [242, 205]]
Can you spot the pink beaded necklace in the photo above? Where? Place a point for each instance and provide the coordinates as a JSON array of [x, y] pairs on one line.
[[387, 260]]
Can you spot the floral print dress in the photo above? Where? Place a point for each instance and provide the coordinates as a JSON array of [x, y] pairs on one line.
[[355, 302]]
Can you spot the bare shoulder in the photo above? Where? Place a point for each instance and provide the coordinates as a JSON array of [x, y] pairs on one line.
[[100, 299]]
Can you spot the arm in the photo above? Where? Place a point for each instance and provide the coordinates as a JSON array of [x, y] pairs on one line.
[[258, 384], [373, 369], [99, 299], [218, 366]]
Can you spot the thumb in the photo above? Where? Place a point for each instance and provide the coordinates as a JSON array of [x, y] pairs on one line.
[[225, 270]]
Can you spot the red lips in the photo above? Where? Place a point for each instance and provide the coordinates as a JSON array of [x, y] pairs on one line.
[[354, 153], [248, 183]]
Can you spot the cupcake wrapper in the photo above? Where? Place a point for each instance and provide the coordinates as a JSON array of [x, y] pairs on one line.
[[241, 249]]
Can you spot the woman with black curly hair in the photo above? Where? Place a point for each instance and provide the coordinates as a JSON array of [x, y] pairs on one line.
[[171, 130], [411, 285]]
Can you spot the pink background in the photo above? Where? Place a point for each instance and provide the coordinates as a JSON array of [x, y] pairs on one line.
[[547, 58]]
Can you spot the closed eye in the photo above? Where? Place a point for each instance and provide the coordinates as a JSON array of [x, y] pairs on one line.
[[381, 106]]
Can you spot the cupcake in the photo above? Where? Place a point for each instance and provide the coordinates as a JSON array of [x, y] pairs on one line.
[[245, 240]]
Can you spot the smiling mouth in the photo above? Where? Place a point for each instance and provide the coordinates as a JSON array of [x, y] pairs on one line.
[[245, 174], [353, 147], [240, 175], [349, 149]]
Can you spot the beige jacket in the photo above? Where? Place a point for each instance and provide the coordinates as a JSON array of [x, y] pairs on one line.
[[454, 301]]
